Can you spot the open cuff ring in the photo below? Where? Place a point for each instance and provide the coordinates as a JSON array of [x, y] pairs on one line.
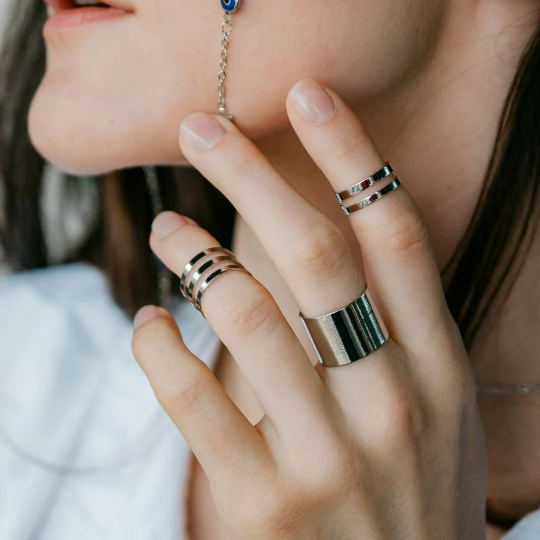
[[348, 334], [193, 284], [360, 186]]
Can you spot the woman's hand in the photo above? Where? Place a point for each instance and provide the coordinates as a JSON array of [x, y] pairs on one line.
[[388, 447]]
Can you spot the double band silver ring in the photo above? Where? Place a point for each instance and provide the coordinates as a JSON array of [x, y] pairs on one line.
[[363, 184]]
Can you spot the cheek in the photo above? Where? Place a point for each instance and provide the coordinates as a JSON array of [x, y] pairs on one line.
[[114, 95]]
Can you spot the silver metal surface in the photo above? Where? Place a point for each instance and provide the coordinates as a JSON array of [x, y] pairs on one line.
[[190, 281], [164, 275], [189, 266], [212, 277], [522, 389], [226, 29], [348, 334], [373, 198], [202, 269], [385, 172]]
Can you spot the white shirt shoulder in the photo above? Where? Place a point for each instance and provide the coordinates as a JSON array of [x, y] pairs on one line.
[[86, 451]]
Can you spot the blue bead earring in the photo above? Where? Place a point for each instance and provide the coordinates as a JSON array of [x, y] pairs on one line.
[[229, 7]]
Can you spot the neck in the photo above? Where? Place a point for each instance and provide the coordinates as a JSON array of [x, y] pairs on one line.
[[437, 127]]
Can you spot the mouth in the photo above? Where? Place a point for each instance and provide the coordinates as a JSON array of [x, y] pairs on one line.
[[69, 15], [54, 6]]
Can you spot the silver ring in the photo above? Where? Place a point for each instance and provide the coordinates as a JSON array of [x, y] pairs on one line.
[[372, 198], [212, 277], [197, 258], [365, 183], [190, 280], [348, 334]]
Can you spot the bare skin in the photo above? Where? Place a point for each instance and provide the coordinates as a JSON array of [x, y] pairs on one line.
[[431, 149], [437, 126]]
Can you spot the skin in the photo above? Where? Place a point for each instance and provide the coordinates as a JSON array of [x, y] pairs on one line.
[[428, 109]]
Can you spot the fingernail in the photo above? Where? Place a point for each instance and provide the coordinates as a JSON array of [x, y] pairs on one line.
[[145, 314], [168, 222], [312, 101], [201, 131]]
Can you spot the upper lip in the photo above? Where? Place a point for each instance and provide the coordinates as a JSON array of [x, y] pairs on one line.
[[60, 5]]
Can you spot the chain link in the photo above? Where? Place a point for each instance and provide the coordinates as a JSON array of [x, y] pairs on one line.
[[165, 276], [226, 28], [515, 389]]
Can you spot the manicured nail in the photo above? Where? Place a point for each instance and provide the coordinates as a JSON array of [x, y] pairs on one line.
[[201, 131], [145, 314], [312, 101], [167, 222]]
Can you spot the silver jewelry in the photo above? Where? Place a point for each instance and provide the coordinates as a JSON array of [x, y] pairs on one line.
[[229, 7], [522, 389], [372, 198], [165, 276], [348, 334], [193, 284], [365, 183]]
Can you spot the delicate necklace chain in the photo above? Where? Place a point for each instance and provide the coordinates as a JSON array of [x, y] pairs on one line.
[[511, 389], [226, 28], [165, 276]]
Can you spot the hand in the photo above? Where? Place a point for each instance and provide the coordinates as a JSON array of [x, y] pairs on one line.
[[389, 447]]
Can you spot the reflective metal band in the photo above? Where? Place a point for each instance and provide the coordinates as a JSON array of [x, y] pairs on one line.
[[348, 334], [385, 172], [198, 257], [373, 198], [212, 277]]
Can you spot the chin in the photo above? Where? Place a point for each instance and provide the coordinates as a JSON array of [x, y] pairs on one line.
[[85, 136], [92, 131]]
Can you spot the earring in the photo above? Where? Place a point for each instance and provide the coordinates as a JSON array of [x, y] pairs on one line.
[[229, 6]]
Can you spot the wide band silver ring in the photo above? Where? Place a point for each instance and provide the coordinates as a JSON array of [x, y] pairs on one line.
[[348, 334], [193, 284]]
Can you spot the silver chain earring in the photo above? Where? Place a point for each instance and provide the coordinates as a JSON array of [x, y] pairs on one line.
[[226, 27], [164, 274]]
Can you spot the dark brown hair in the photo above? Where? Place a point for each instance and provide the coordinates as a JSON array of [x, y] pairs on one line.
[[488, 258], [482, 270]]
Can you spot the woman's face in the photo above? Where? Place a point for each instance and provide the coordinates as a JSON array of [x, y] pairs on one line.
[[116, 90]]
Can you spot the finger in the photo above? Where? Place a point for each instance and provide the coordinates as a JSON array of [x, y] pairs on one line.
[[221, 437], [397, 254], [249, 322], [307, 248]]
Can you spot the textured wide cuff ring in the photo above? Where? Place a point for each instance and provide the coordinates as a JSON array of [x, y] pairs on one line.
[[385, 172], [348, 334], [193, 282]]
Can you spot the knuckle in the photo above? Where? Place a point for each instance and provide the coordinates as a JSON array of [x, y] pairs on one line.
[[324, 255], [335, 475], [255, 314], [400, 419], [266, 512], [272, 508], [244, 155], [407, 233], [183, 398], [347, 147]]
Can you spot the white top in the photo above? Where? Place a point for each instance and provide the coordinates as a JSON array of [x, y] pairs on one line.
[[72, 395]]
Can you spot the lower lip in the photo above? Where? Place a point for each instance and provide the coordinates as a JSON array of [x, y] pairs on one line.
[[72, 19]]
